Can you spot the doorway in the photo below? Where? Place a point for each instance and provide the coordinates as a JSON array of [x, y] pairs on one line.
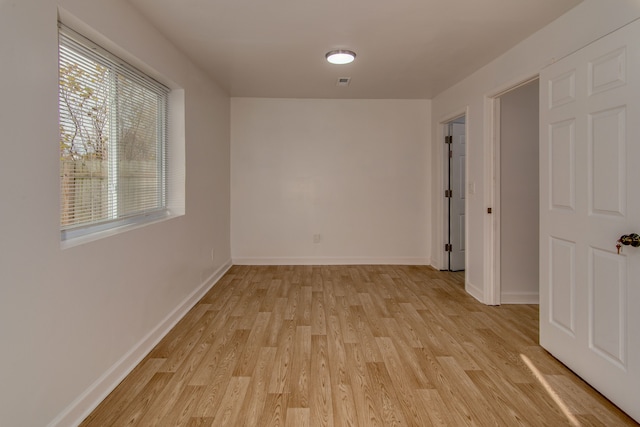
[[455, 185], [516, 194]]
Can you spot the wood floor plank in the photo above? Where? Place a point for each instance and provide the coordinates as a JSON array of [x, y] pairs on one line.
[[256, 397], [581, 402], [219, 361], [347, 325], [320, 402], [229, 411], [409, 361], [298, 417], [374, 315], [542, 403], [276, 320], [281, 372], [474, 399], [250, 311], [438, 413], [338, 367], [273, 289], [293, 301], [363, 394], [509, 365], [451, 339], [205, 408], [216, 370], [344, 411], [139, 406], [192, 338], [365, 346], [172, 392], [180, 413], [303, 314], [365, 337], [247, 360], [506, 407], [447, 388], [301, 368], [111, 408], [275, 410], [318, 321], [403, 380], [385, 395], [200, 422]]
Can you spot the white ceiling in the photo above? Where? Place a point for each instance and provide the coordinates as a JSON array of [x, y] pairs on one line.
[[405, 48]]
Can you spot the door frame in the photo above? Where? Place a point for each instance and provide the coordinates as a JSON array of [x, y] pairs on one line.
[[493, 285], [448, 166], [441, 185]]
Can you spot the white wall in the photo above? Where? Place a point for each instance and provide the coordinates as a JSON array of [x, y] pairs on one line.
[[354, 171], [583, 24], [519, 193], [71, 317]]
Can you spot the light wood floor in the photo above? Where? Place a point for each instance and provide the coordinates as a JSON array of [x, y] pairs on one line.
[[352, 346]]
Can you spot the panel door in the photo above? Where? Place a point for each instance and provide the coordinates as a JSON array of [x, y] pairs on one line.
[[457, 202], [589, 197]]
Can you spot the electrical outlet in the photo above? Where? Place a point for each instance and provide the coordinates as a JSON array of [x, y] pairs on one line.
[[317, 238]]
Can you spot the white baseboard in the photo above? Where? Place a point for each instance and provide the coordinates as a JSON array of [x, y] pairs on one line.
[[330, 261], [82, 406], [519, 298], [474, 291]]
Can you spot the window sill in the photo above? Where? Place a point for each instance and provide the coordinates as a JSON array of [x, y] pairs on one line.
[[98, 235]]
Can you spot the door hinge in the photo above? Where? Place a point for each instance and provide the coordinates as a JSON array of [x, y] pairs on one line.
[[448, 247], [448, 193], [448, 139], [489, 210]]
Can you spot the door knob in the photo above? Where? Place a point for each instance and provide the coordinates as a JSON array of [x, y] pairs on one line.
[[628, 240]]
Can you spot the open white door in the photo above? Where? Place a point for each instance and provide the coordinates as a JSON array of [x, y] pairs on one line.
[[455, 195], [589, 197]]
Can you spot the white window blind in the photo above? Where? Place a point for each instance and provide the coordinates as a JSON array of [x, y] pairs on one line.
[[113, 159]]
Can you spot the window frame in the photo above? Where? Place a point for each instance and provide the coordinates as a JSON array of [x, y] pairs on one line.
[[115, 221]]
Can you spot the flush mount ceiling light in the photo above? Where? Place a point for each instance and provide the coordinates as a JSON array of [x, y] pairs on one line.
[[340, 56]]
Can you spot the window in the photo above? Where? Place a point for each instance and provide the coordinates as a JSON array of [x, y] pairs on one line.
[[113, 161]]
